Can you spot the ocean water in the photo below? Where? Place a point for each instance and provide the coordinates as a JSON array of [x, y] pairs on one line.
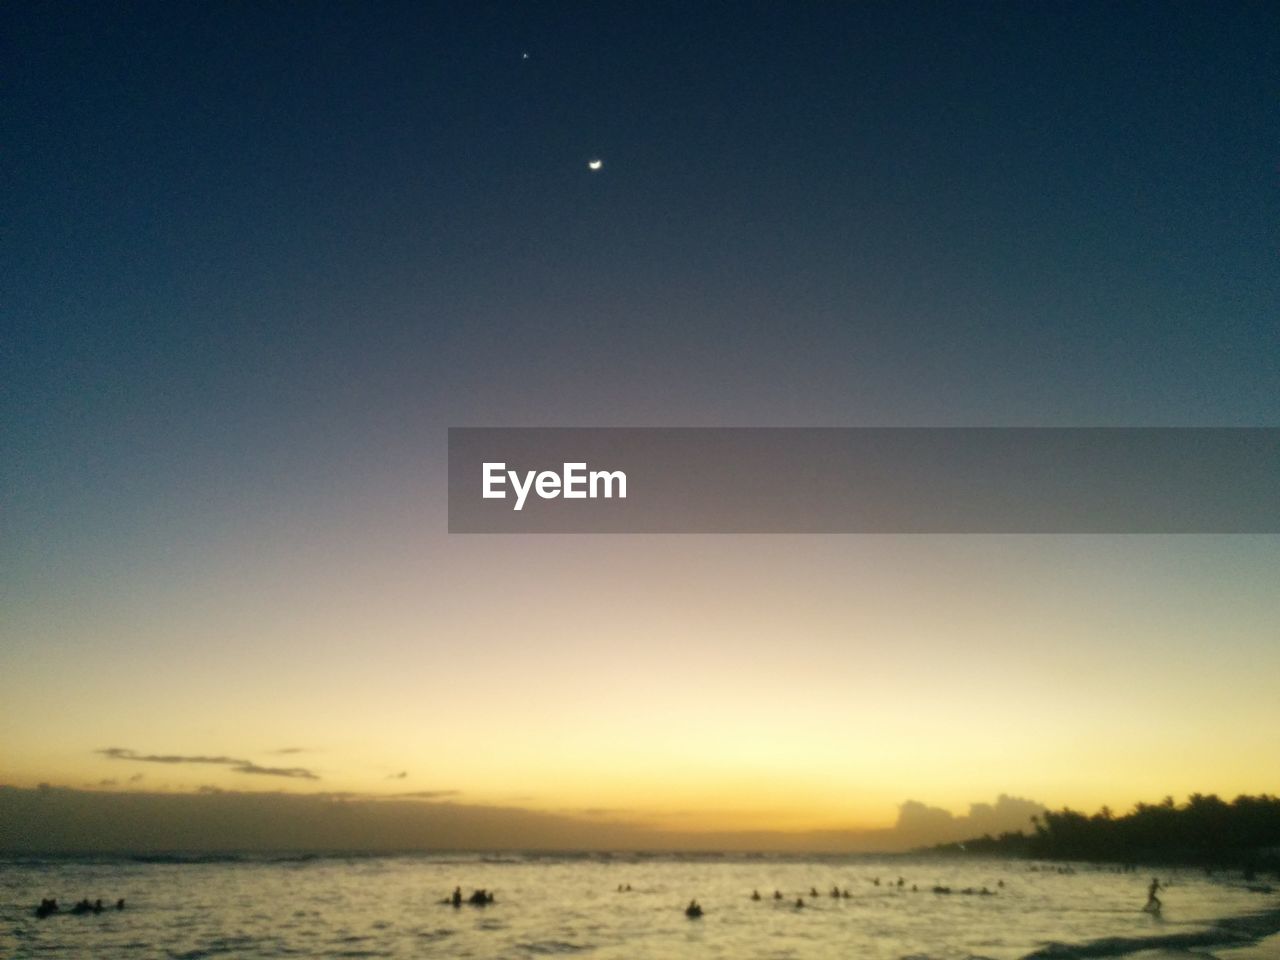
[[388, 906]]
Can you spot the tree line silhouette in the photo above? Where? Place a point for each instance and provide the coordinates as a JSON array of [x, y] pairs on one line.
[[1206, 830]]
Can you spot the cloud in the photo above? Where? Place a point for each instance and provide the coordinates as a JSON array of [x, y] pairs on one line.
[[398, 776], [916, 817], [59, 819], [121, 753], [301, 773], [285, 750], [920, 823], [599, 811], [234, 763]]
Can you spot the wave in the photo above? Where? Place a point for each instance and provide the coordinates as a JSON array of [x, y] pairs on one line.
[[183, 858], [1228, 932], [553, 947], [268, 858], [195, 858]]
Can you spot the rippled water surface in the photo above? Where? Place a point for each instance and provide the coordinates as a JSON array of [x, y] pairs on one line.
[[388, 907]]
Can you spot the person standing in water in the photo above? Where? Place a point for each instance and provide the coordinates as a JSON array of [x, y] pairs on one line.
[[1153, 902]]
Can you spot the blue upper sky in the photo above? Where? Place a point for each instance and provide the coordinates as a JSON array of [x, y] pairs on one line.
[[244, 240]]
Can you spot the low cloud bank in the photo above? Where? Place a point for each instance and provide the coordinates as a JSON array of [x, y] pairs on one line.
[[48, 820], [920, 824]]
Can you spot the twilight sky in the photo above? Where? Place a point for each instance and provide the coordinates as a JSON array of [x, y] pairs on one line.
[[260, 257]]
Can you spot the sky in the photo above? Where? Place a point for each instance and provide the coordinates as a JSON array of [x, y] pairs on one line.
[[260, 258]]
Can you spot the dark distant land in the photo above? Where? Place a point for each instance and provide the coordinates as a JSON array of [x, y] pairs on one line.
[[1205, 831]]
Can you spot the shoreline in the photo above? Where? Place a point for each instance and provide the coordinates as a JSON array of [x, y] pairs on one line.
[[1242, 931]]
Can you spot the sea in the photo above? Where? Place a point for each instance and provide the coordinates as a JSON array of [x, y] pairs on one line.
[[627, 906]]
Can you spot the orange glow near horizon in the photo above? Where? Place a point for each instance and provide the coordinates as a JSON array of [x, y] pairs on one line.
[[745, 684]]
